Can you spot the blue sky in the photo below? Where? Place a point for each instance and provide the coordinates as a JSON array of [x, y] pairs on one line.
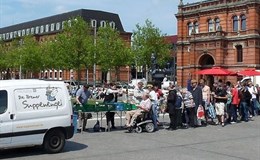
[[160, 12]]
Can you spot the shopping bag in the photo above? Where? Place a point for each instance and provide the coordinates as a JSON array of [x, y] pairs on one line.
[[211, 111], [200, 113]]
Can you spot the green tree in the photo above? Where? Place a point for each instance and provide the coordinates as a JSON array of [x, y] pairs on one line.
[[73, 47], [26, 52], [112, 50], [148, 40]]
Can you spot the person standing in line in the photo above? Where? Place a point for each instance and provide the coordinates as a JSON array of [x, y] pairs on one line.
[[234, 104], [245, 97], [170, 108], [253, 91], [154, 99], [189, 107], [206, 93], [220, 101], [82, 96], [197, 98]]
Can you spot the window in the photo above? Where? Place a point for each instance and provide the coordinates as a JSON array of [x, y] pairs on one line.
[[11, 35], [27, 31], [50, 74], [210, 26], [190, 28], [42, 29], [69, 23], [58, 26], [235, 23], [60, 74], [7, 35], [0, 37], [15, 34], [243, 22], [217, 24], [63, 25], [3, 101], [55, 74], [112, 25], [3, 36], [47, 28], [52, 27], [37, 30], [196, 27], [19, 33], [32, 30], [103, 23], [93, 23], [239, 53], [23, 32]]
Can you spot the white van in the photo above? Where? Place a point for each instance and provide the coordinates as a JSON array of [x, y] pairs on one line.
[[35, 112]]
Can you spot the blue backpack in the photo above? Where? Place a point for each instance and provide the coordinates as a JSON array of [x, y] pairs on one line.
[[178, 102]]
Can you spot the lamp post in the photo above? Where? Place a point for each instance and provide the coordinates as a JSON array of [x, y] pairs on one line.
[[94, 67], [20, 67]]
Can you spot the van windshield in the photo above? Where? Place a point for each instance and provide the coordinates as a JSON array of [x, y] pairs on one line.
[[3, 101]]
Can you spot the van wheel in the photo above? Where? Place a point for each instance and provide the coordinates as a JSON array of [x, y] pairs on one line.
[[149, 127], [54, 141]]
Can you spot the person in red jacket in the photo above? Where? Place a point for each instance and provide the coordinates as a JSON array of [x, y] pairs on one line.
[[234, 104]]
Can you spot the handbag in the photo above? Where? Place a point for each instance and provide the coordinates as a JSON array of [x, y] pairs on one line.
[[200, 113], [211, 111]]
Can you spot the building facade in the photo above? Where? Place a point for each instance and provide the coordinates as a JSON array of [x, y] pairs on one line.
[[45, 29], [217, 33]]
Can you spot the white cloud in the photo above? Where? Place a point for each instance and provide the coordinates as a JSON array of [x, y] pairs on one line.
[[60, 9]]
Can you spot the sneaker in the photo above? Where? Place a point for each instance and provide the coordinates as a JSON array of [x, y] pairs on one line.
[[223, 124], [233, 122]]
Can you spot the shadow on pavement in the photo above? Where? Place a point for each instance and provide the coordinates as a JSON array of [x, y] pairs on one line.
[[34, 151]]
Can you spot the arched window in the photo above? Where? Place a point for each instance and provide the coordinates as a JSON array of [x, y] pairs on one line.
[[112, 25], [93, 23], [58, 26], [239, 53], [210, 25], [217, 24], [196, 27], [103, 23], [47, 28], [235, 23], [243, 22], [190, 28]]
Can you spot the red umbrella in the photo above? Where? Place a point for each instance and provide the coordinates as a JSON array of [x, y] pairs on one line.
[[249, 72], [216, 71]]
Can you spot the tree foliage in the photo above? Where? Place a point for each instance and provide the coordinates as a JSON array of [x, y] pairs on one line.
[[148, 39], [112, 51]]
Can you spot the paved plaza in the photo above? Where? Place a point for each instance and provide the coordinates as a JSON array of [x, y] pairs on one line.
[[239, 141]]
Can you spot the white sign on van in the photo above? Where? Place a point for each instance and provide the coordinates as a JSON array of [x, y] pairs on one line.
[[30, 99]]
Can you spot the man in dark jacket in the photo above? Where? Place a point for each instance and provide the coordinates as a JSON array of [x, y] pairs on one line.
[[171, 99], [245, 97], [197, 98]]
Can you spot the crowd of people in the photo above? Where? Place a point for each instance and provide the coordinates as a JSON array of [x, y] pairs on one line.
[[221, 105], [194, 106]]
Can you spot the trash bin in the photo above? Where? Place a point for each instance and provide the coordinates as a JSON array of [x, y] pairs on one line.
[[75, 122]]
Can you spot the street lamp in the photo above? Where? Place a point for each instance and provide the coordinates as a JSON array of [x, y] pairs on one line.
[[94, 67]]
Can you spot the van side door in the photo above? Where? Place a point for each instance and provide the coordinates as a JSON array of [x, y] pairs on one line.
[[6, 121]]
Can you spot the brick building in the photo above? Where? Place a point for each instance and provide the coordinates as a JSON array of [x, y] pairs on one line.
[[217, 33], [45, 29]]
